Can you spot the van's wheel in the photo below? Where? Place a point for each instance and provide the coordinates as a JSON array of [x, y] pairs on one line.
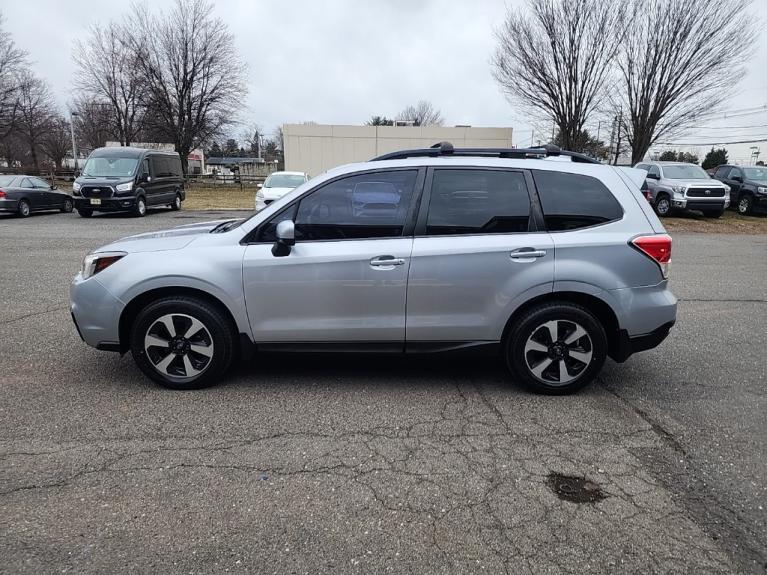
[[84, 212], [182, 342], [139, 210], [68, 206], [663, 205], [745, 204], [23, 209], [176, 205], [556, 348]]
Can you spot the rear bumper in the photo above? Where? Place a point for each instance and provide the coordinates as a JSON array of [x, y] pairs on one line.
[[7, 205], [628, 345], [107, 204]]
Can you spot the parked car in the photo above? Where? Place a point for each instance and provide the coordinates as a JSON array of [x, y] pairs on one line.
[[748, 185], [677, 185], [462, 257], [124, 179], [23, 195], [277, 185]]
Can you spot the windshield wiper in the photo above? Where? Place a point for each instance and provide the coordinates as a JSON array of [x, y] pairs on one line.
[[224, 226]]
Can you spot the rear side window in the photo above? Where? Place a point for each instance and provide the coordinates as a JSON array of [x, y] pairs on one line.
[[573, 201], [722, 172], [478, 202]]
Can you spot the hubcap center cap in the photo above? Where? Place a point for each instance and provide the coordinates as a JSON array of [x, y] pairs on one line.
[[179, 346], [558, 350]]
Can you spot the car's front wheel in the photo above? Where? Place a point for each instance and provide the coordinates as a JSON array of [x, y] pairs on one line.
[[745, 204], [67, 206], [182, 342], [556, 348], [663, 205], [176, 204], [139, 210]]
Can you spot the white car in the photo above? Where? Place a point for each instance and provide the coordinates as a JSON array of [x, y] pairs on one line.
[[277, 185]]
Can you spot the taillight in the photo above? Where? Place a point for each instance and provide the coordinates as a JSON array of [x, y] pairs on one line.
[[657, 247], [2, 193]]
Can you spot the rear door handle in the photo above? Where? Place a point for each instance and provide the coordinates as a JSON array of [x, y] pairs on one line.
[[527, 254], [382, 261]]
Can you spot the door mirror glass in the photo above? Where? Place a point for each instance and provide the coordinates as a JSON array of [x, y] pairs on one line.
[[286, 237]]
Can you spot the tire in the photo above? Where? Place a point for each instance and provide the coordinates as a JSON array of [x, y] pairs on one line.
[[23, 209], [534, 359], [139, 210], [209, 349], [745, 204], [662, 205], [176, 205], [85, 212], [713, 213], [67, 207]]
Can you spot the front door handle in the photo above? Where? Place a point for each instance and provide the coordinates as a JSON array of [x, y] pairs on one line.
[[386, 261], [524, 255]]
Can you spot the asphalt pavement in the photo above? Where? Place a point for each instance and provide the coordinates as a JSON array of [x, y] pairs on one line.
[[338, 464]]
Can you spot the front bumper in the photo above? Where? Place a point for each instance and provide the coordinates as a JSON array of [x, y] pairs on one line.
[[115, 204], [685, 203], [96, 313]]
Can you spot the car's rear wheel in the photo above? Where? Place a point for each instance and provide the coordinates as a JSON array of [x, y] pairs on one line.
[[663, 205], [67, 206], [176, 204], [23, 209], [84, 212], [713, 213], [745, 204], [182, 342], [556, 348], [139, 210]]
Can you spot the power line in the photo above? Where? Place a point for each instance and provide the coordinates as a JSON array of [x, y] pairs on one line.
[[730, 127], [713, 143]]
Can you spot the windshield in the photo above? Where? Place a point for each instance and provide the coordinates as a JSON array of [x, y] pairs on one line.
[[7, 180], [685, 173], [112, 167], [755, 173], [284, 181]]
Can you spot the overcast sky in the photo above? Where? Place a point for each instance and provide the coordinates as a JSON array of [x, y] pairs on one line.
[[342, 61]]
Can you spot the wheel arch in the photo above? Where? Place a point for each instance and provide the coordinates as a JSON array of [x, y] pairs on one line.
[[135, 305], [599, 307]]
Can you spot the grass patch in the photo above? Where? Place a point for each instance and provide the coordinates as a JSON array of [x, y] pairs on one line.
[[730, 223], [220, 197]]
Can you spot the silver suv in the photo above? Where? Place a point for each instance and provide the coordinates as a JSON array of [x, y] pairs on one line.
[[684, 186], [545, 257]]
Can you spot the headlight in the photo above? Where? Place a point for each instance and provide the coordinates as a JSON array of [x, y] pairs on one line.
[[260, 195], [678, 189], [76, 187], [761, 190], [94, 263], [126, 187]]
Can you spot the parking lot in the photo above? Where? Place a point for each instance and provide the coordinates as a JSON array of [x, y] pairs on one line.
[[328, 464]]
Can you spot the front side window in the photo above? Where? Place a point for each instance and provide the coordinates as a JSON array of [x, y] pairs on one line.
[[735, 172], [573, 201], [363, 206], [478, 202], [722, 172]]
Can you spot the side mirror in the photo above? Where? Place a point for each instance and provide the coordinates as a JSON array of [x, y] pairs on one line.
[[652, 176], [260, 185], [737, 178], [286, 238]]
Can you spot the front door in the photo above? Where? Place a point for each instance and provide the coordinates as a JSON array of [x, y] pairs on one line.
[[476, 255], [345, 280]]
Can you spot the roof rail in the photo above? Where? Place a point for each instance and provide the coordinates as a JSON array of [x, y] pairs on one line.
[[447, 149]]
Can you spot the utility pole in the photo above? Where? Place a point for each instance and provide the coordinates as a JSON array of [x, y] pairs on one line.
[[619, 120], [72, 115]]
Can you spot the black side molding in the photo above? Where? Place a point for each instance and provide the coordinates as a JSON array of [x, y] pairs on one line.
[[630, 345]]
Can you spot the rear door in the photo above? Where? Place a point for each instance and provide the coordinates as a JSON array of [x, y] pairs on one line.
[[344, 281], [161, 187], [49, 198], [35, 197], [477, 253]]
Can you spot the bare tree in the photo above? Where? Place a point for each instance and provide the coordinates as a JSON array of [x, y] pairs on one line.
[[108, 73], [279, 137], [57, 141], [12, 62], [554, 62], [194, 76], [678, 61], [422, 114], [93, 123], [35, 111], [253, 137]]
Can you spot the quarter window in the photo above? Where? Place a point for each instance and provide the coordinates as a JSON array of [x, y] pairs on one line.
[[572, 201], [478, 202], [363, 206]]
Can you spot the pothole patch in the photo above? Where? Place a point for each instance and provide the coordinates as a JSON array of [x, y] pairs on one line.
[[575, 489]]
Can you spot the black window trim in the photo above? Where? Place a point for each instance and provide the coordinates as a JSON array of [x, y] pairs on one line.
[[540, 208], [534, 223], [407, 230]]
